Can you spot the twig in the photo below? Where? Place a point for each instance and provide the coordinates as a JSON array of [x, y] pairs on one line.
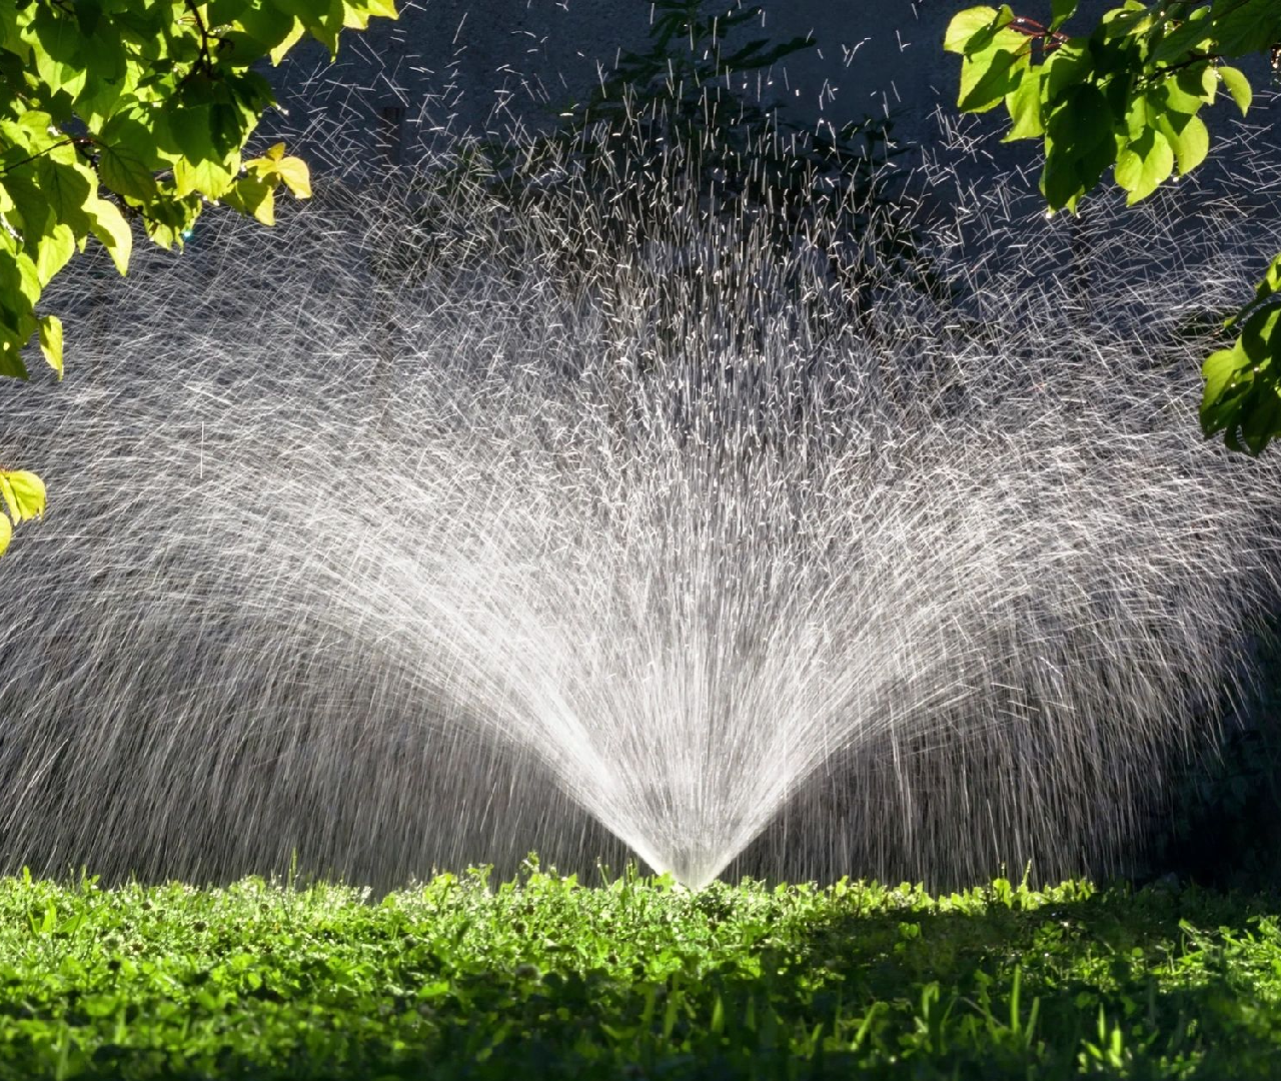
[[69, 141]]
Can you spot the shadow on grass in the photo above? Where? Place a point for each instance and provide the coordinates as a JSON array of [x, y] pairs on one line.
[[1153, 984]]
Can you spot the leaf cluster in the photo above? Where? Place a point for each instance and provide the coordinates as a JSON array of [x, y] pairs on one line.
[[634, 978], [115, 112], [22, 497], [1128, 97]]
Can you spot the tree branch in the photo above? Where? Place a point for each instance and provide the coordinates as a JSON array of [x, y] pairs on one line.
[[69, 141], [205, 60]]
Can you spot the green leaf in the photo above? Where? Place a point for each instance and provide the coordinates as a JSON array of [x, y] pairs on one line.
[[986, 77], [1190, 144], [6, 534], [253, 196], [1223, 405], [1060, 183], [1123, 24], [89, 15], [322, 20], [1246, 26], [1079, 145], [67, 188], [286, 43], [111, 229], [1061, 11], [1220, 370], [965, 25], [1268, 286], [264, 22], [358, 12], [23, 494], [126, 173], [226, 129], [1200, 81], [1242, 396], [1169, 95], [295, 176], [1068, 66], [1143, 165], [192, 129], [1187, 135], [34, 130], [1024, 106], [55, 38], [104, 57], [1238, 86], [276, 167], [24, 279], [1261, 422], [51, 342], [1256, 335], [54, 249], [1193, 36], [170, 216], [11, 365], [210, 178], [1271, 281]]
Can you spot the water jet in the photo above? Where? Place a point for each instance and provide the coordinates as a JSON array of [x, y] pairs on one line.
[[580, 525]]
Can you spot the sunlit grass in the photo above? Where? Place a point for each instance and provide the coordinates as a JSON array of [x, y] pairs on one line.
[[544, 977]]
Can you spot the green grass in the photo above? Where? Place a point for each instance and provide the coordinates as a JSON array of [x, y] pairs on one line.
[[543, 978]]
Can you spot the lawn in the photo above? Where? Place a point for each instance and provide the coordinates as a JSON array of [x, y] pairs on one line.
[[635, 978]]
